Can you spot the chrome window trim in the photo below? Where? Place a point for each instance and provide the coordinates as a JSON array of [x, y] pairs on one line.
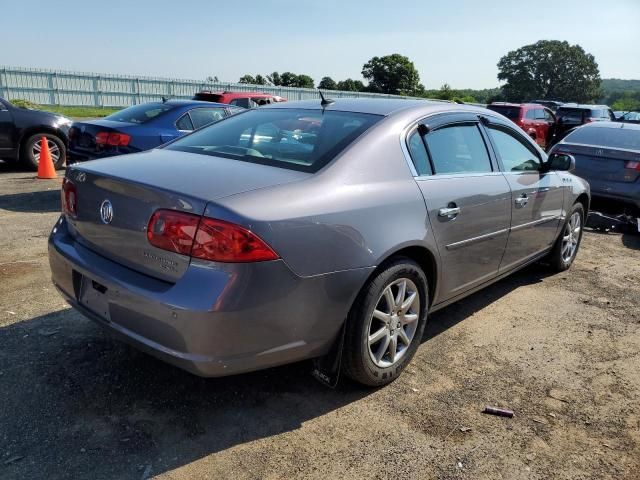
[[409, 129]]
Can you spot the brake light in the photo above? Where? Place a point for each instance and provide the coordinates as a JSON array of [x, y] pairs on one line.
[[113, 139], [206, 238], [632, 165], [69, 198]]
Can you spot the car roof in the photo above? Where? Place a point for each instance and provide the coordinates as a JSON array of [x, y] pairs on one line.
[[374, 106], [626, 126], [238, 94], [583, 106], [189, 103]]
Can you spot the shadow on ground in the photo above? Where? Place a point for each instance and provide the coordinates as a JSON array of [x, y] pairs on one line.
[[77, 404], [43, 201]]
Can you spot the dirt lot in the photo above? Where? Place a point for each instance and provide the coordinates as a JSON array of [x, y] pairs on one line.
[[563, 351]]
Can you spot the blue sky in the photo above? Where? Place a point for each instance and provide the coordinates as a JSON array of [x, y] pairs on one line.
[[456, 42]]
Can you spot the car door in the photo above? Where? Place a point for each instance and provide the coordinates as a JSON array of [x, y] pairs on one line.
[[6, 131], [536, 209], [468, 200], [550, 120], [542, 127]]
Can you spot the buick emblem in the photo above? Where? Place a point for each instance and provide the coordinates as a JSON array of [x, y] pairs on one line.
[[106, 212]]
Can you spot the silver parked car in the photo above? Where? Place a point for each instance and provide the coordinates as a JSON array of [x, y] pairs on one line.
[[607, 155], [260, 239]]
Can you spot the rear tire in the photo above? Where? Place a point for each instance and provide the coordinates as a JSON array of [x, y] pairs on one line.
[[30, 149], [566, 247], [386, 323]]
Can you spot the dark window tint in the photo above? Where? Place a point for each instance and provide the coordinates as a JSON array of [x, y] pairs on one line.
[[241, 102], [204, 116], [140, 113], [515, 155], [184, 123], [512, 113], [570, 115], [458, 149], [606, 137], [419, 154], [288, 138]]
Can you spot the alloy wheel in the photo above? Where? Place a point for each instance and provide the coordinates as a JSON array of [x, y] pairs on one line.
[[393, 323], [571, 236], [54, 150]]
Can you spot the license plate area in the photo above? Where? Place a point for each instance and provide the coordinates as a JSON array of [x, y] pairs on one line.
[[94, 296]]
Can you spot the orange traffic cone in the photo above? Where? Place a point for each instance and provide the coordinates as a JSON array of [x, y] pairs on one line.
[[45, 166]]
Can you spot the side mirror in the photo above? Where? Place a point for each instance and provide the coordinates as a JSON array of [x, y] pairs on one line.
[[561, 161]]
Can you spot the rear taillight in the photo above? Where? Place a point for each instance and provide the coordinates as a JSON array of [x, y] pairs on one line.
[[632, 165], [113, 139], [69, 198], [206, 238]]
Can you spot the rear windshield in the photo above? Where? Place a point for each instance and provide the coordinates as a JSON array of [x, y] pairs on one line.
[[139, 113], [208, 97], [512, 113], [614, 137], [571, 114], [303, 140]]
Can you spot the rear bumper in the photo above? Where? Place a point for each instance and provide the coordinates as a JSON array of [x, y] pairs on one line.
[[218, 319], [622, 192]]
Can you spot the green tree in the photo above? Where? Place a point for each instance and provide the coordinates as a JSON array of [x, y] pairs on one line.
[[304, 81], [628, 101], [394, 74], [446, 93], [328, 83], [550, 69], [350, 85], [275, 79], [247, 79], [260, 80]]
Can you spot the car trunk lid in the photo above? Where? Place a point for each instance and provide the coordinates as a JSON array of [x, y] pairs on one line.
[[605, 164], [82, 135], [135, 186]]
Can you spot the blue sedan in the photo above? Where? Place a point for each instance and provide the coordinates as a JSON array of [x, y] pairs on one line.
[[142, 127]]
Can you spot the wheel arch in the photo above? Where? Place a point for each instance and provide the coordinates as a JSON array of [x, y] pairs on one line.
[[583, 198], [29, 131], [420, 254]]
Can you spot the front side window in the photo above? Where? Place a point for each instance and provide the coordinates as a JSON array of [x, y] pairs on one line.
[[458, 149], [290, 138], [540, 114], [515, 155], [140, 113], [530, 115], [548, 116], [204, 116]]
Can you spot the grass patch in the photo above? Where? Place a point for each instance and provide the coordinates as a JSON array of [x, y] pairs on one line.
[[80, 112], [72, 112]]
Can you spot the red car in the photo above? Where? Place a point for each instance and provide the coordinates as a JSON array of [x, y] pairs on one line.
[[537, 120], [239, 99]]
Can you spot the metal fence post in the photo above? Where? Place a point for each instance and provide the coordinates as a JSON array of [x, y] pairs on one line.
[[96, 92], [52, 96], [6, 93]]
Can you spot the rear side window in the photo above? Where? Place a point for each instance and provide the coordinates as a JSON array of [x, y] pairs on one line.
[[140, 113], [606, 137], [204, 116], [515, 155], [241, 102], [530, 114], [290, 138], [572, 115], [184, 123], [512, 113], [458, 149], [419, 154]]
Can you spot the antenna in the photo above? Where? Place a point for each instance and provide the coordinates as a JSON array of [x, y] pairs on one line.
[[325, 101]]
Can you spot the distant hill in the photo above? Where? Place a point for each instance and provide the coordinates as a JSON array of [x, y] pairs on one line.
[[610, 85]]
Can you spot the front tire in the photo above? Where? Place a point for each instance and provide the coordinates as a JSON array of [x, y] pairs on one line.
[[386, 323], [30, 150], [566, 247]]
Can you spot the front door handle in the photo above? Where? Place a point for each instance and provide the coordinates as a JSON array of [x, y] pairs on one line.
[[522, 200], [450, 211]]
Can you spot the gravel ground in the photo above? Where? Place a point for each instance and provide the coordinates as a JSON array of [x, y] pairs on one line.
[[562, 351]]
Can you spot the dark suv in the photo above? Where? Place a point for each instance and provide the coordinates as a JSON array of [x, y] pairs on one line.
[[572, 115]]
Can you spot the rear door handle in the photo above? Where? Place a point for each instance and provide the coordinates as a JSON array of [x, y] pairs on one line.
[[449, 212], [522, 200]]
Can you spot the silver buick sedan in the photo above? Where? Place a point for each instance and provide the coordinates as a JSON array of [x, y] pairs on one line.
[[276, 234]]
